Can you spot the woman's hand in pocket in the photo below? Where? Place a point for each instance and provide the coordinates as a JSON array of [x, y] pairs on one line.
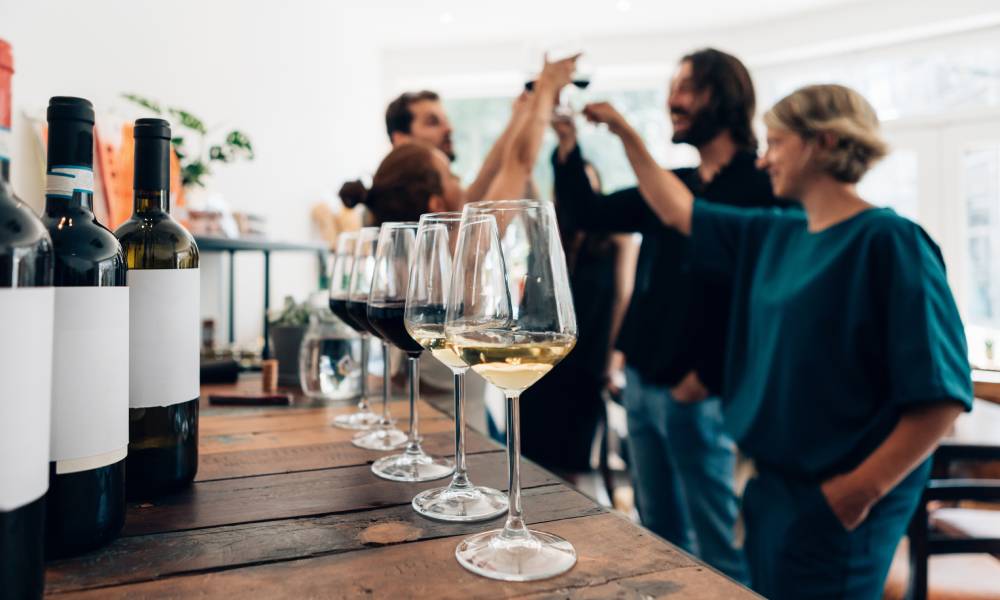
[[848, 499]]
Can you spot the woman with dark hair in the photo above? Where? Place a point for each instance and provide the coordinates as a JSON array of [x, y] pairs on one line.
[[413, 179]]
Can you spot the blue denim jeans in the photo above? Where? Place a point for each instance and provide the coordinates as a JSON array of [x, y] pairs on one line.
[[682, 466]]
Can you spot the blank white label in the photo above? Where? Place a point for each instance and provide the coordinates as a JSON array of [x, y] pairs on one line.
[[165, 322], [25, 394], [89, 377]]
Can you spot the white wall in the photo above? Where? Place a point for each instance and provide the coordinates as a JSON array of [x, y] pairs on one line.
[[301, 78]]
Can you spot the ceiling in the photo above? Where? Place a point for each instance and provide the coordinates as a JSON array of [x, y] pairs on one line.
[[401, 23]]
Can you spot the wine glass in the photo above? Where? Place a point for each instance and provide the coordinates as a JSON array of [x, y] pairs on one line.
[[349, 247], [386, 303], [510, 317], [426, 301]]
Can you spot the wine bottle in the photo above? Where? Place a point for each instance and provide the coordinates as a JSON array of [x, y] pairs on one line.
[[163, 280], [26, 301], [86, 502]]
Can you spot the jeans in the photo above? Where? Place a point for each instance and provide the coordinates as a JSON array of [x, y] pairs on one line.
[[682, 466], [798, 549]]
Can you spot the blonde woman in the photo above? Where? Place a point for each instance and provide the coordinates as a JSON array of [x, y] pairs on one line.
[[846, 358]]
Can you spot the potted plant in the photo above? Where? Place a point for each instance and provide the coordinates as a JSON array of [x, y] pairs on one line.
[[287, 327]]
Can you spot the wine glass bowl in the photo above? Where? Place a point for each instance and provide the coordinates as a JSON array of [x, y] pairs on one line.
[[510, 317]]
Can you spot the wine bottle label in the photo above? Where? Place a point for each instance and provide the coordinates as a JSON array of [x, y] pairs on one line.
[[165, 328], [5, 143], [25, 394], [90, 378], [61, 182]]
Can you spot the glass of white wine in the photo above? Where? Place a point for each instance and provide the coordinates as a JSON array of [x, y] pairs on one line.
[[386, 305], [426, 303], [348, 244], [510, 317]]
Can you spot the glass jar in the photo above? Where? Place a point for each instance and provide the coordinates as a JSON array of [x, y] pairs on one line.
[[328, 360]]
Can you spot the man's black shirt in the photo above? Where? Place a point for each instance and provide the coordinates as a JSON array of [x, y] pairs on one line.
[[676, 321]]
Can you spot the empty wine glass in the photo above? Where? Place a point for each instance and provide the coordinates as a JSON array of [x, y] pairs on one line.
[[348, 244], [426, 302], [386, 304], [510, 317]]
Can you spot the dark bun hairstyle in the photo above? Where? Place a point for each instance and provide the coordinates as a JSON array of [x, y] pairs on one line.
[[402, 186]]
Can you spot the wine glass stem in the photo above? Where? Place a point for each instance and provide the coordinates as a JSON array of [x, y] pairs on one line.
[[413, 366], [386, 385], [460, 479], [514, 528], [363, 403]]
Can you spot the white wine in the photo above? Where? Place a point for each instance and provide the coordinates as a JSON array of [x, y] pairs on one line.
[[163, 280], [431, 337], [512, 360]]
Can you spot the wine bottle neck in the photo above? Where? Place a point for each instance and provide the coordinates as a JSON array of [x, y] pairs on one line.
[[150, 201], [4, 170]]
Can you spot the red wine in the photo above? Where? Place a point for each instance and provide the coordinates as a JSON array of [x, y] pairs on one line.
[[85, 507], [359, 312], [164, 282], [26, 303], [339, 307], [388, 319]]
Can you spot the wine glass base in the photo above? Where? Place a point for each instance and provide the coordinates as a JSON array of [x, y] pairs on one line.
[[540, 556], [413, 467], [461, 504], [380, 439], [357, 420]]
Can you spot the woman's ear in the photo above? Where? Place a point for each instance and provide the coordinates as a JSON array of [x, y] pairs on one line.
[[436, 204], [827, 140]]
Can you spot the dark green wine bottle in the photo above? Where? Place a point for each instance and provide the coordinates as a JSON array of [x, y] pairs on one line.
[[163, 282], [26, 301], [85, 507]]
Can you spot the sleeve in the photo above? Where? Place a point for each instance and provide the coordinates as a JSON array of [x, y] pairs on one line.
[[723, 235], [928, 356], [584, 209]]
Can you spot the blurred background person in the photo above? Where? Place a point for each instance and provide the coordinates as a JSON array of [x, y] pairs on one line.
[[602, 271]]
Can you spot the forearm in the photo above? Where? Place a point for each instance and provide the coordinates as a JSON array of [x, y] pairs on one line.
[[667, 195], [522, 151], [625, 263], [912, 440], [491, 164]]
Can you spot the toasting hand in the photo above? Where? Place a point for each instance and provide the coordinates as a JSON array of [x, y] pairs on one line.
[[603, 112]]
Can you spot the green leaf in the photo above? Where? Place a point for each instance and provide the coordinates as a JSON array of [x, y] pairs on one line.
[[216, 152], [144, 102], [192, 174], [188, 120], [240, 140]]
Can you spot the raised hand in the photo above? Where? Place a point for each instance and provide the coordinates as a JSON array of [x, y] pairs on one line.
[[557, 74], [603, 112]]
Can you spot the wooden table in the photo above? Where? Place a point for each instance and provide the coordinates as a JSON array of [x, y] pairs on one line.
[[285, 507]]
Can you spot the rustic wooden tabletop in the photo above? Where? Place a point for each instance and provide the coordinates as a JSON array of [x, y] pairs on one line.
[[285, 507]]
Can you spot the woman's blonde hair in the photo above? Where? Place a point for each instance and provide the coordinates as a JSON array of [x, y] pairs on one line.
[[816, 110]]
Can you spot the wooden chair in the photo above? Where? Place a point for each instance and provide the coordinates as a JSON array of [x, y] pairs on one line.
[[938, 531]]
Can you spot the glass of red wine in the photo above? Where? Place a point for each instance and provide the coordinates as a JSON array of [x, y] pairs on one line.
[[340, 285], [386, 306], [426, 304], [383, 436]]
